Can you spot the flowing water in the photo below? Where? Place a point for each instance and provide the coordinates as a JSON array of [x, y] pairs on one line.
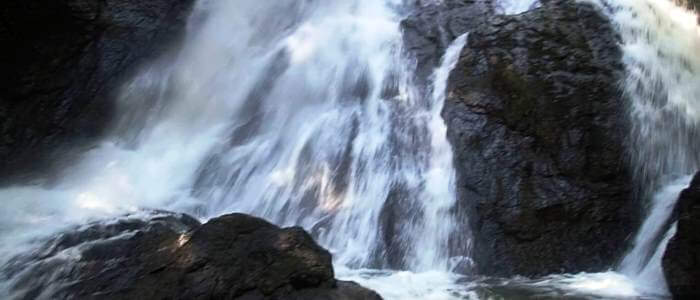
[[301, 112], [306, 113], [661, 46]]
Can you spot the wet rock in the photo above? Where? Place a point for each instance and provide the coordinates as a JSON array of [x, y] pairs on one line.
[[537, 125], [681, 261], [691, 4], [169, 256], [62, 60], [427, 33]]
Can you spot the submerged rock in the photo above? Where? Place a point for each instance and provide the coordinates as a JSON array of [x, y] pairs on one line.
[[168, 256], [62, 61], [537, 125], [681, 261]]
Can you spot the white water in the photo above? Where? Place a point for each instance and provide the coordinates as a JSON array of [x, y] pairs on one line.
[[304, 113], [301, 112], [514, 7], [661, 47]]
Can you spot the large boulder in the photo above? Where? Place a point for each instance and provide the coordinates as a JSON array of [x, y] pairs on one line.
[[681, 261], [537, 124], [169, 256], [61, 60]]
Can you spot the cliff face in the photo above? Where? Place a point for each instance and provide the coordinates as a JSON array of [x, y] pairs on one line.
[[537, 124], [61, 60]]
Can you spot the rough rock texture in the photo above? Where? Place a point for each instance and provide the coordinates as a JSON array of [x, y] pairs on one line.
[[61, 61], [430, 31], [537, 125], [168, 256], [681, 261]]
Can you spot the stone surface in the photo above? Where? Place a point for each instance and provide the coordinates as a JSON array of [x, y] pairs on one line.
[[681, 261], [168, 256], [61, 61], [537, 124]]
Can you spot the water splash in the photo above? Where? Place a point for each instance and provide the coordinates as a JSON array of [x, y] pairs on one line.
[[660, 43], [301, 112], [310, 117]]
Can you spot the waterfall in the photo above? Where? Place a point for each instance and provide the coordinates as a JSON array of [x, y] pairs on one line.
[[307, 113], [301, 112], [660, 43]]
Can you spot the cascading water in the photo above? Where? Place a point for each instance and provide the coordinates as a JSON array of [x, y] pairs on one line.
[[660, 43], [306, 118], [305, 113]]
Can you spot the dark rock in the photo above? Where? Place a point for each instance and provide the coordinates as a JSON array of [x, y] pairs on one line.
[[427, 33], [537, 125], [61, 61], [168, 256], [681, 261], [691, 4]]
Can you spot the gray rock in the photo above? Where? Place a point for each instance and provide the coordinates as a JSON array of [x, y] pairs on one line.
[[170, 256]]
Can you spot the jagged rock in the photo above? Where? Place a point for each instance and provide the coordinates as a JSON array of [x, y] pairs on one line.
[[681, 261], [537, 124], [61, 61], [169, 256]]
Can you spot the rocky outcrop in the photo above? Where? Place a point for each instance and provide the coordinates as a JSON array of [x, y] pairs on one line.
[[537, 125], [169, 256], [61, 61], [681, 261]]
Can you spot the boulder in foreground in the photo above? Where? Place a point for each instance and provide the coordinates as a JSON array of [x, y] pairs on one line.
[[167, 256]]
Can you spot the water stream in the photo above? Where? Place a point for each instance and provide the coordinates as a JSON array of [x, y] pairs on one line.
[[311, 117], [660, 43], [306, 118]]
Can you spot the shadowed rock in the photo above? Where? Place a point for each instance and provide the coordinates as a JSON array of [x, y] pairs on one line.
[[681, 261], [167, 256], [62, 61]]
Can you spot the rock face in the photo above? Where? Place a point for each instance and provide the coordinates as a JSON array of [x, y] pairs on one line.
[[681, 261], [166, 256], [61, 60], [537, 126]]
